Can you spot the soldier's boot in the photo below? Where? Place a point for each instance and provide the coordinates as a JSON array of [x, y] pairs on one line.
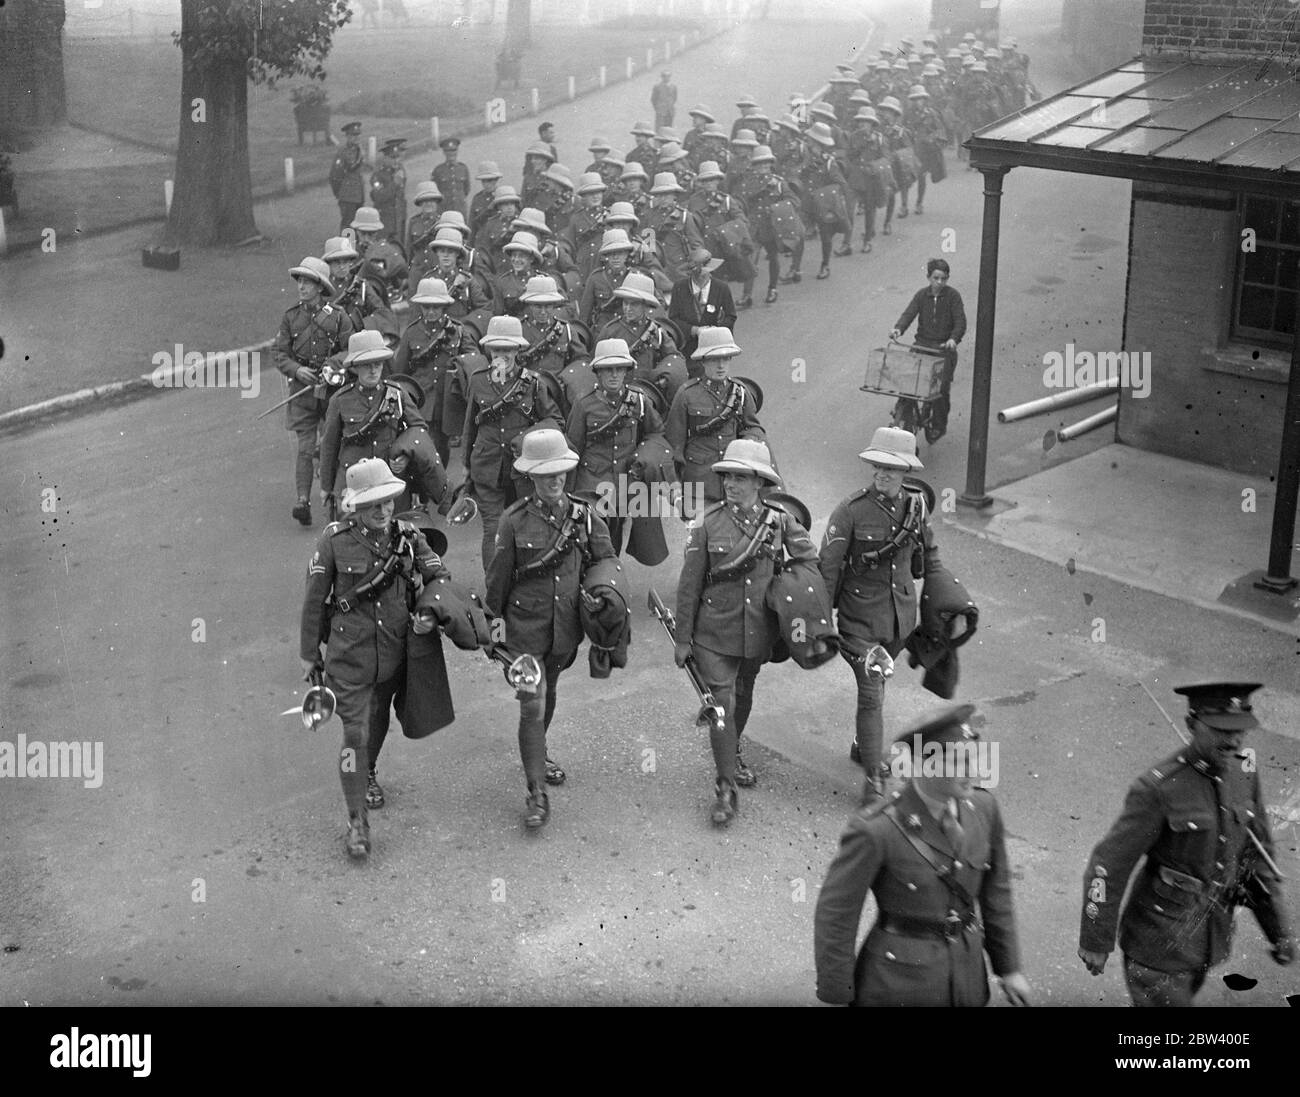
[[855, 753], [771, 294], [302, 512], [744, 775], [374, 793], [358, 840], [537, 808], [554, 774], [793, 276], [726, 804]]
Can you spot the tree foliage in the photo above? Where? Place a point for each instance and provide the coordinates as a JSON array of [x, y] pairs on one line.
[[274, 38]]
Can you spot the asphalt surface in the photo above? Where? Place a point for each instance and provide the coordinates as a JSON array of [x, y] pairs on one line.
[[175, 509]]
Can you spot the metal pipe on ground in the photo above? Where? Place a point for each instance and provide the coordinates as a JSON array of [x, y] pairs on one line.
[[1083, 426], [1065, 399]]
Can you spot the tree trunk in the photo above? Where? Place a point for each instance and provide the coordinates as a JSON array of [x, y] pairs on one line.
[[32, 88], [519, 19], [213, 198]]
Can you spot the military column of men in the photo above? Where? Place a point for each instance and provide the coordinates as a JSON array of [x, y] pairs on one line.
[[575, 339]]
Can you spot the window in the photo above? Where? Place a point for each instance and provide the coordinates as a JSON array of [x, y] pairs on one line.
[[1264, 310]]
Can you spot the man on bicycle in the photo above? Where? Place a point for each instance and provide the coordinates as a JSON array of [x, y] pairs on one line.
[[940, 324]]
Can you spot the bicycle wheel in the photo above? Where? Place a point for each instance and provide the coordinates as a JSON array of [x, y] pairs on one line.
[[906, 415]]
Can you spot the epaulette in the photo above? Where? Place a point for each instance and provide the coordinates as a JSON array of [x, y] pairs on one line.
[[518, 504], [1162, 771], [335, 528], [861, 493], [713, 508]]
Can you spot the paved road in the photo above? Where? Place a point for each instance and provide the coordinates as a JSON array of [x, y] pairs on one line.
[[173, 511]]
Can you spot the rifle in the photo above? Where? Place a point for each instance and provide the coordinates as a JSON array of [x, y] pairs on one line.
[[711, 713], [1259, 846]]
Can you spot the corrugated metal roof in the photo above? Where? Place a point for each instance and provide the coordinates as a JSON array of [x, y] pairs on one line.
[[1218, 118]]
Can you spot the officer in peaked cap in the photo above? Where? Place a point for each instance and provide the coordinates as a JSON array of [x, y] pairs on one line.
[[1192, 816], [452, 176], [347, 179], [935, 858], [388, 188]]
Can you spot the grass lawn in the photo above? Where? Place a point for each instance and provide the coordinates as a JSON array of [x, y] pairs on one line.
[[130, 87]]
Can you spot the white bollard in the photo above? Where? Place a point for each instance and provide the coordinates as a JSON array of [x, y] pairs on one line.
[[573, 88], [373, 149], [602, 76], [629, 68], [4, 240], [168, 188], [537, 100], [288, 175], [433, 129]]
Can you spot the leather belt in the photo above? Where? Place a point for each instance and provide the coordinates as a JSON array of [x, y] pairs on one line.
[[925, 927]]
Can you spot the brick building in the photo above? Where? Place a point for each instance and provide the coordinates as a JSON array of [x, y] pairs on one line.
[[1206, 124]]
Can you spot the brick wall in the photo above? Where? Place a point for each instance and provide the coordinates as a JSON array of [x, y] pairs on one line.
[[1181, 270], [1101, 34], [1253, 28]]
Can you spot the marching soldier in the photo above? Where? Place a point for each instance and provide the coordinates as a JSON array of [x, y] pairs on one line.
[[525, 259], [361, 584], [469, 290], [709, 413], [583, 234], [677, 230], [503, 401], [724, 225], [428, 351], [598, 304], [877, 544], [606, 426], [544, 544], [926, 128], [538, 157], [761, 189], [553, 196], [700, 118], [556, 348], [866, 149], [452, 176], [311, 332], [422, 228], [347, 175], [388, 189], [648, 342], [632, 189], [495, 231], [600, 150], [743, 145], [733, 549], [898, 143], [365, 416], [935, 859], [362, 289], [379, 254], [821, 171], [480, 209], [1199, 819], [747, 105], [645, 152]]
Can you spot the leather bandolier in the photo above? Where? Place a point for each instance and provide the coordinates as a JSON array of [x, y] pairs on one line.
[[576, 527]]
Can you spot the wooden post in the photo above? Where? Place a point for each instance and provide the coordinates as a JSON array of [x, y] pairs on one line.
[[168, 187], [629, 68], [602, 76], [1279, 579], [573, 88], [433, 129], [537, 99], [374, 150], [288, 175]]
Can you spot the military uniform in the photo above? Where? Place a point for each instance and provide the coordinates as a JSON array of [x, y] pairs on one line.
[[428, 353], [873, 586], [365, 295], [1190, 821], [541, 604], [583, 236], [347, 180], [677, 233], [388, 196], [420, 232], [553, 351], [598, 305], [648, 342], [605, 431], [703, 419], [494, 419], [362, 422], [480, 209], [308, 336], [726, 619], [759, 193], [927, 945], [453, 181]]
